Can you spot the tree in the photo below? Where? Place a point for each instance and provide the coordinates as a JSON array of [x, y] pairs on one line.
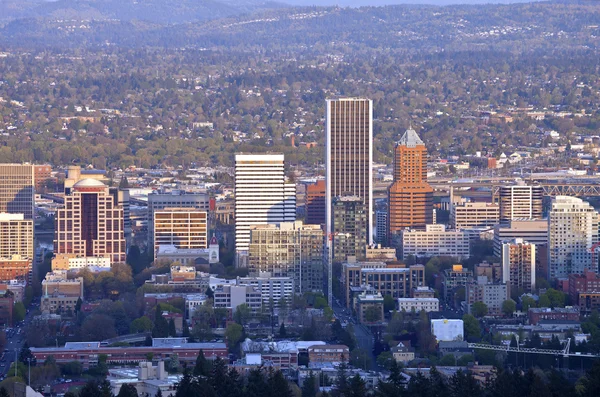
[[242, 313], [309, 386], [508, 307], [233, 334], [158, 393], [389, 304], [174, 363], [278, 385], [360, 358], [358, 386], [161, 325], [462, 384], [395, 384], [141, 324], [472, 328], [372, 314], [26, 355], [202, 367], [127, 390], [527, 302], [3, 392], [447, 360], [479, 309], [384, 359], [19, 312], [78, 305], [172, 330], [282, 331]]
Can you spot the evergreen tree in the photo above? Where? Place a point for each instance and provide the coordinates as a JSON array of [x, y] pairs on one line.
[[395, 384], [358, 387], [341, 386], [278, 385], [158, 393], [202, 367], [172, 330], [3, 392], [309, 387], [161, 326], [256, 384], [462, 384], [282, 331], [127, 390], [418, 386], [25, 354]]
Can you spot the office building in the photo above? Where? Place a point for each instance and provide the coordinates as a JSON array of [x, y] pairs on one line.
[[410, 196], [288, 249], [90, 223], [581, 285], [274, 290], [518, 266], [183, 228], [493, 271], [15, 268], [418, 304], [492, 294], [349, 155], [231, 296], [175, 199], [17, 189], [520, 202], [572, 232], [60, 294], [76, 263], [398, 281], [262, 197], [377, 253], [350, 227], [42, 176], [16, 236], [381, 237], [435, 240], [314, 203], [534, 231], [557, 314], [474, 215], [454, 278], [369, 307]]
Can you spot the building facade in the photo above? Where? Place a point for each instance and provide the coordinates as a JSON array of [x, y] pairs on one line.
[[314, 203], [274, 290], [472, 215], [350, 226], [492, 294], [572, 231], [175, 199], [288, 249], [183, 228], [520, 202], [16, 236], [262, 197], [90, 223], [435, 240], [418, 304], [17, 189], [410, 197], [518, 266]]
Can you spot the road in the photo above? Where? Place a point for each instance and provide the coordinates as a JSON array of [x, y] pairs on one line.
[[14, 341], [363, 335]]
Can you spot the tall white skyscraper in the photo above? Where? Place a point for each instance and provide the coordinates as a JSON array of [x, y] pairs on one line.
[[349, 154], [261, 197], [572, 231]]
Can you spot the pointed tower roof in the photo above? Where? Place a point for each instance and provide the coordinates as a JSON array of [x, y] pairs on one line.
[[410, 139], [213, 240]]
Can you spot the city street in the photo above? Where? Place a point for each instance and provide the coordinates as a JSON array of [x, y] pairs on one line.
[[363, 335], [14, 341]]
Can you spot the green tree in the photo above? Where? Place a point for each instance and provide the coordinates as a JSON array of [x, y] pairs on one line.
[[127, 390], [465, 359], [172, 329], [202, 367], [462, 384], [141, 324], [278, 385], [242, 314], [527, 302], [358, 386], [309, 386], [19, 312], [384, 359], [508, 307], [389, 304], [359, 358], [472, 328], [479, 309], [395, 386], [26, 355], [174, 363], [282, 331], [372, 314], [233, 334], [447, 360], [161, 325], [158, 393]]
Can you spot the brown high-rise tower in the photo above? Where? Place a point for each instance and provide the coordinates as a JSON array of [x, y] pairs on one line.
[[410, 196]]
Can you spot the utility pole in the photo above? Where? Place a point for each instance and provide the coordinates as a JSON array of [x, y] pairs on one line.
[[16, 361], [29, 364]]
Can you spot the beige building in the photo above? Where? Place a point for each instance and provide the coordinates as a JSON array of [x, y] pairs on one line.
[[16, 236], [231, 296], [398, 281], [379, 253], [90, 223], [183, 228], [435, 240], [418, 304], [60, 294], [402, 354], [518, 265], [17, 190], [75, 263], [369, 307], [520, 202], [471, 215], [288, 249]]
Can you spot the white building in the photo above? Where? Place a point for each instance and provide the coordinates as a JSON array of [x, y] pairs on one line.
[[76, 263], [418, 304], [572, 231], [262, 197], [470, 215], [520, 202], [435, 240], [193, 302], [231, 296], [147, 379], [273, 289], [447, 330]]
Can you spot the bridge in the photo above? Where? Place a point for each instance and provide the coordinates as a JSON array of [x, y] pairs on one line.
[[517, 349], [550, 189]]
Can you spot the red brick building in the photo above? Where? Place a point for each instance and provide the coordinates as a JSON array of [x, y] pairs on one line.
[[588, 282], [538, 314], [328, 353]]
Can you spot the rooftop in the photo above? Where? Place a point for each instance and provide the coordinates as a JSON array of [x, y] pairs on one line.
[[410, 139]]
